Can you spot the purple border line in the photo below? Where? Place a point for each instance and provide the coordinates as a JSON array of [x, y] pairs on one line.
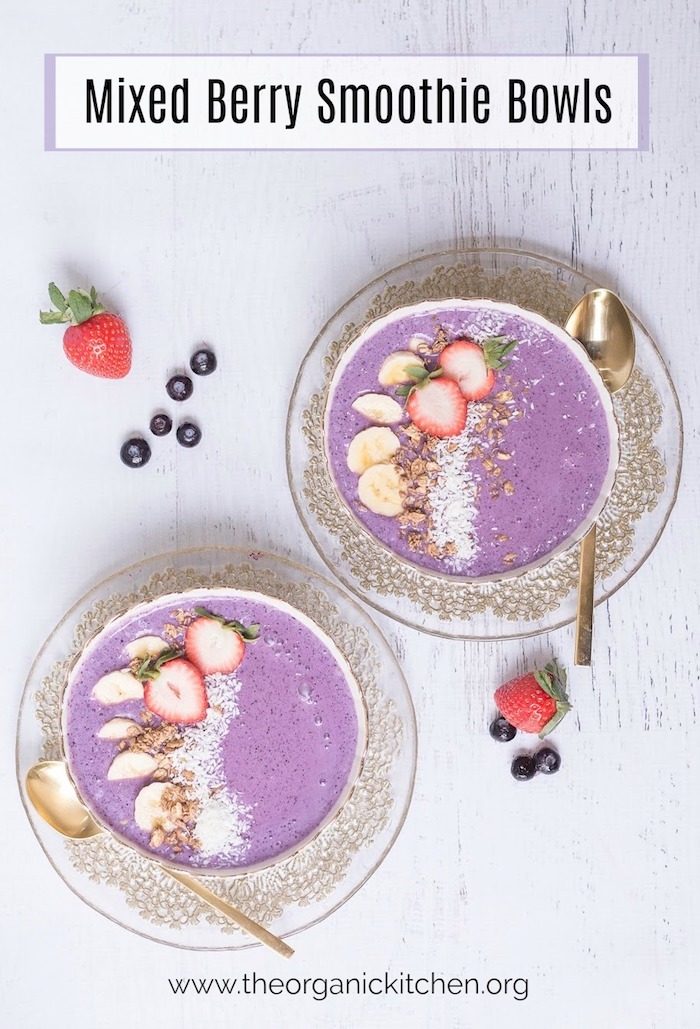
[[268, 56], [643, 101], [346, 150], [50, 111], [49, 101]]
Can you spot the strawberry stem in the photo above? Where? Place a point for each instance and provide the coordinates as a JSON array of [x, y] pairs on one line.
[[80, 306], [150, 667], [248, 633], [552, 679], [496, 351], [421, 375]]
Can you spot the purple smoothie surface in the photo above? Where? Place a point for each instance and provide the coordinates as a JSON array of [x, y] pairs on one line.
[[559, 446], [289, 754]]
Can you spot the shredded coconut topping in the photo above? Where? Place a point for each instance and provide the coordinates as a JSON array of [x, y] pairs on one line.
[[487, 326], [453, 497], [222, 821]]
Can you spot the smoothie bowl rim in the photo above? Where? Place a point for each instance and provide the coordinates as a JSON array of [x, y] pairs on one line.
[[581, 354], [345, 796]]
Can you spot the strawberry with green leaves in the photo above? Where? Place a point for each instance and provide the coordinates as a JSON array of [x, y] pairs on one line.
[[173, 688], [434, 404], [535, 702], [95, 341], [473, 366], [216, 644]]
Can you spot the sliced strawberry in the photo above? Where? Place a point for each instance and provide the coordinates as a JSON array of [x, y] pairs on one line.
[[436, 406], [212, 648], [464, 362], [214, 644], [473, 365], [176, 692]]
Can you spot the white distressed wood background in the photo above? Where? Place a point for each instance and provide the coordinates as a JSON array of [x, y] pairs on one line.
[[586, 884]]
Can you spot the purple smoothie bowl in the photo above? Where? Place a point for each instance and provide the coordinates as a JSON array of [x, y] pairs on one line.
[[565, 444], [293, 752]]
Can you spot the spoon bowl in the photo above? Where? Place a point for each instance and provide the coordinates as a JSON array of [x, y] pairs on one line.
[[54, 798], [600, 322]]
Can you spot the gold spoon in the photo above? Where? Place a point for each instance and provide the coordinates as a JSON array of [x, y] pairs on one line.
[[601, 324], [54, 797]]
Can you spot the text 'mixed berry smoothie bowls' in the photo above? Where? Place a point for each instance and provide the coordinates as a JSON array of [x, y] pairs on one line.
[[472, 439], [217, 729]]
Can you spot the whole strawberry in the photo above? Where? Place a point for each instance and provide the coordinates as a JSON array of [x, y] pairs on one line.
[[95, 341], [535, 702]]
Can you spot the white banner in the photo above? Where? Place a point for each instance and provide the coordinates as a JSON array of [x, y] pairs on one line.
[[341, 102]]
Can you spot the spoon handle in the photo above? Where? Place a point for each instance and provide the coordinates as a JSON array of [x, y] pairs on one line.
[[251, 927], [584, 610]]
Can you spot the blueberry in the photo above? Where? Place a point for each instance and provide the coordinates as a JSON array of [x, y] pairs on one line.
[[135, 452], [203, 362], [523, 768], [188, 434], [161, 424], [502, 730], [547, 761], [179, 387]]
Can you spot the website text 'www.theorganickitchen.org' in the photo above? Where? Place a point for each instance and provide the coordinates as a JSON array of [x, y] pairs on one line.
[[323, 988]]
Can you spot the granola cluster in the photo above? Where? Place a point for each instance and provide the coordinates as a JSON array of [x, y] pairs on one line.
[[428, 348], [180, 808], [415, 459], [179, 813], [490, 448], [174, 631], [158, 741]]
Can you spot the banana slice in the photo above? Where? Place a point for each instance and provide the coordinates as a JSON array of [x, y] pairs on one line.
[[128, 765], [379, 408], [371, 446], [145, 646], [393, 370], [149, 811], [117, 686], [119, 729], [380, 489]]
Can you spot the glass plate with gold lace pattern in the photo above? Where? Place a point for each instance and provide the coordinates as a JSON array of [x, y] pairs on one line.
[[539, 599], [300, 888]]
